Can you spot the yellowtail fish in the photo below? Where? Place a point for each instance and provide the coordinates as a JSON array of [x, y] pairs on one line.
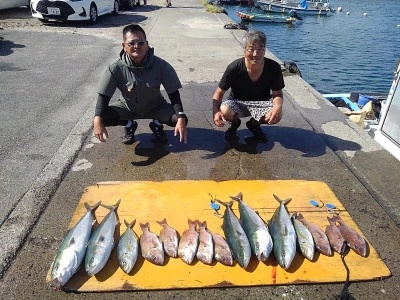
[[283, 234], [236, 236], [169, 238], [205, 251], [151, 246], [128, 248], [73, 248], [101, 242], [304, 238], [189, 243], [256, 230]]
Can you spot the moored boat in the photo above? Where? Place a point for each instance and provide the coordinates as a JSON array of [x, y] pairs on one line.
[[262, 17], [302, 7], [383, 124]]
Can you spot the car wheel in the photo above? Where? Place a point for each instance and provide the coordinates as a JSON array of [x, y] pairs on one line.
[[131, 4], [116, 8], [93, 14]]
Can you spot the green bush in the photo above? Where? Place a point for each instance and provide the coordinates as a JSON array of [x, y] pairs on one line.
[[212, 8]]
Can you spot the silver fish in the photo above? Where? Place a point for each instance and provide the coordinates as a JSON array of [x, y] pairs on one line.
[[151, 246], [222, 253], [128, 248], [205, 251], [236, 237], [189, 243], [320, 239], [352, 238], [256, 230], [169, 238], [304, 238], [101, 242], [72, 250], [283, 234], [335, 238]]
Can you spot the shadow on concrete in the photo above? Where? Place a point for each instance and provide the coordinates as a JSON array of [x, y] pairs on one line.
[[6, 47], [308, 143]]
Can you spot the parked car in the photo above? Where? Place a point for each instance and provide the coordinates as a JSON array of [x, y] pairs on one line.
[[129, 4], [73, 10], [6, 4]]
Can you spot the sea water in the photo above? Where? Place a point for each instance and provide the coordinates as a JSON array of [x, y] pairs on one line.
[[346, 51]]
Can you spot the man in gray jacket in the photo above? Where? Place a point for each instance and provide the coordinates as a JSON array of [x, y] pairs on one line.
[[139, 74]]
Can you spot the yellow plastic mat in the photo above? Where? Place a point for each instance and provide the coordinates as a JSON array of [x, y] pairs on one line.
[[178, 201]]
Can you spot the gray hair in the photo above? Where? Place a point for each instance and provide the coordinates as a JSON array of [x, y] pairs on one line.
[[254, 36]]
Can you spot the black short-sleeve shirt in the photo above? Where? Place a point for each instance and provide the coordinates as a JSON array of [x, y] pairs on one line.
[[243, 88]]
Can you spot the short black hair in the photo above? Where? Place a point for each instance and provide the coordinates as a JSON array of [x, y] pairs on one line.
[[131, 28]]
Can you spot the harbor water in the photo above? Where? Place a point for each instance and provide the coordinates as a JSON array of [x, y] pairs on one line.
[[353, 50]]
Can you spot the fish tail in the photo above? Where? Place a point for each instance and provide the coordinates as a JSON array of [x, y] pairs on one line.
[[193, 223], [226, 204], [300, 217], [335, 219], [130, 225], [203, 224], [294, 215], [144, 226], [238, 197], [112, 207], [163, 222], [286, 201], [92, 208]]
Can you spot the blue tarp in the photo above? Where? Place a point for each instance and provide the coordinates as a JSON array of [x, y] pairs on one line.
[[303, 4]]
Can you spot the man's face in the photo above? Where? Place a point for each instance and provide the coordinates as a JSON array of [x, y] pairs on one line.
[[136, 46], [254, 52]]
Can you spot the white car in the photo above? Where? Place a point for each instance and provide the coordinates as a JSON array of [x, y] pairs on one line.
[[6, 4], [73, 10]]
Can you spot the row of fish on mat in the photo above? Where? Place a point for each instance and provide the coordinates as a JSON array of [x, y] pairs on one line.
[[250, 234], [244, 236], [95, 248]]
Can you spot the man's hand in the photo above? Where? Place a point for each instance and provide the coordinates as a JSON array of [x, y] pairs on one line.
[[99, 130], [274, 115], [181, 128], [219, 119]]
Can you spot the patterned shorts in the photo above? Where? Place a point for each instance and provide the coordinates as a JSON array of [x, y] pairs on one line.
[[256, 109]]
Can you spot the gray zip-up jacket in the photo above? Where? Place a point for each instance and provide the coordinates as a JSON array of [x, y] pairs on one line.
[[144, 82]]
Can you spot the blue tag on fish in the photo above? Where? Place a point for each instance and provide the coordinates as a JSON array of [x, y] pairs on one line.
[[314, 203], [214, 206], [331, 206]]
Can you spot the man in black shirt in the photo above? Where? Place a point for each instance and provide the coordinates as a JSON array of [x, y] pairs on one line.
[[256, 84]]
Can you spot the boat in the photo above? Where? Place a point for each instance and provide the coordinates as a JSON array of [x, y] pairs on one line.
[[301, 7], [377, 113], [263, 17]]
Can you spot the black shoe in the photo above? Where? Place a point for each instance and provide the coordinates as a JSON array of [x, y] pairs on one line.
[[230, 134], [129, 137], [256, 130], [158, 131]]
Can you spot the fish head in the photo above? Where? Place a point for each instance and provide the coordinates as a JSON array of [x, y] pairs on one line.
[[307, 249], [64, 268], [157, 257], [93, 261], [126, 263], [263, 245], [226, 259]]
